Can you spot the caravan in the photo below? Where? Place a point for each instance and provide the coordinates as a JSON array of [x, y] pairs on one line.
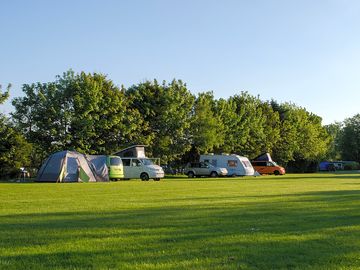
[[235, 164]]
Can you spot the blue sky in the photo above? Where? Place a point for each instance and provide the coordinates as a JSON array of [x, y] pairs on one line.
[[306, 52]]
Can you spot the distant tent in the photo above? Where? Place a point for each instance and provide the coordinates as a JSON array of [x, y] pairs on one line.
[[71, 166], [263, 157]]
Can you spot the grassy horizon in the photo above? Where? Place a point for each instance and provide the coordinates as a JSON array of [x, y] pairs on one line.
[[299, 221]]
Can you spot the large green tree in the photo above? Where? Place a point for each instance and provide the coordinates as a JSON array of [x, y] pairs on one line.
[[350, 139], [250, 125], [166, 111], [302, 135], [334, 151], [14, 149], [207, 127], [85, 112]]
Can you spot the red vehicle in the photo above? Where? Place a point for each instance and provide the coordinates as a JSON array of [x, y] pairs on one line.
[[268, 167]]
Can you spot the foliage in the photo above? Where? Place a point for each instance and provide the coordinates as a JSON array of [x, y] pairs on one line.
[[4, 96], [88, 113], [14, 150], [166, 111], [302, 135], [206, 126], [334, 131], [350, 139], [85, 112]]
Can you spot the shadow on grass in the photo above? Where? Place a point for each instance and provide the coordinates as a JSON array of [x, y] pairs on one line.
[[307, 230]]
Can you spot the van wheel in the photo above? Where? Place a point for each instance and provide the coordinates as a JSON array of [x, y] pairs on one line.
[[213, 174], [144, 177], [276, 172], [156, 179], [191, 174]]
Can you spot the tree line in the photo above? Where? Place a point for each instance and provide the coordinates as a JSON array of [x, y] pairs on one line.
[[90, 114]]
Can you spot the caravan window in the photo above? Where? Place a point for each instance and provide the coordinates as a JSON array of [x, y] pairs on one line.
[[246, 163], [232, 163]]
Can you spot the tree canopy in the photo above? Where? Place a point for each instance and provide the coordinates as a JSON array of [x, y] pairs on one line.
[[89, 113]]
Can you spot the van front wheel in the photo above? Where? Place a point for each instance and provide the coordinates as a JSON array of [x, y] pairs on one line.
[[144, 177]]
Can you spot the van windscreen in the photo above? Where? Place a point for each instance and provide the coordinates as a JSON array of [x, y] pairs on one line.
[[146, 161], [115, 161]]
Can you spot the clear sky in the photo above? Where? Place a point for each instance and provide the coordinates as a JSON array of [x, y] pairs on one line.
[[303, 51]]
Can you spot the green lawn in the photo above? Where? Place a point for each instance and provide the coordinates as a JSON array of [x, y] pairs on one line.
[[305, 221]]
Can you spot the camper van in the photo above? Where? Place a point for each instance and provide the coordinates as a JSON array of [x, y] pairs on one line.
[[115, 167], [268, 167], [143, 168], [137, 165], [235, 164]]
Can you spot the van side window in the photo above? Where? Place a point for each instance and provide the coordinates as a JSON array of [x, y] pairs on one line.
[[232, 163], [126, 162], [259, 163], [135, 162], [206, 161]]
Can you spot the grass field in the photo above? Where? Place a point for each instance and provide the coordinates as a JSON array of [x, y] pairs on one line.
[[286, 222]]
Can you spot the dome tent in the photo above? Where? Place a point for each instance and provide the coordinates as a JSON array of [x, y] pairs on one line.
[[71, 166]]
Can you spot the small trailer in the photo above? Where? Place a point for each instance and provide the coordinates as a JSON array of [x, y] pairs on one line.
[[235, 164]]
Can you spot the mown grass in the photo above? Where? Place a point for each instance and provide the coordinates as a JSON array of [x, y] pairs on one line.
[[287, 222]]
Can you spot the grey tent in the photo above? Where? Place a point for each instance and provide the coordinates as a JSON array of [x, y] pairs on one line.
[[71, 166]]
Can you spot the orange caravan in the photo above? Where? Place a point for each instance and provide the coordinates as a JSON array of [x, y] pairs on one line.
[[263, 164]]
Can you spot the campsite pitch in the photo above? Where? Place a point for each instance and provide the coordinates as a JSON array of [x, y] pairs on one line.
[[302, 221]]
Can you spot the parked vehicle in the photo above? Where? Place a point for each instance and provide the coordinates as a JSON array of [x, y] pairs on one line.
[[268, 167], [142, 168], [203, 169], [236, 165], [115, 167]]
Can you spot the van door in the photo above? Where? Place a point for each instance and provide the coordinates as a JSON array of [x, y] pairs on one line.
[[261, 167], [127, 168], [136, 168], [203, 169]]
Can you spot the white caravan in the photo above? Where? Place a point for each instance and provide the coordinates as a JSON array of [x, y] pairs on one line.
[[235, 164]]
